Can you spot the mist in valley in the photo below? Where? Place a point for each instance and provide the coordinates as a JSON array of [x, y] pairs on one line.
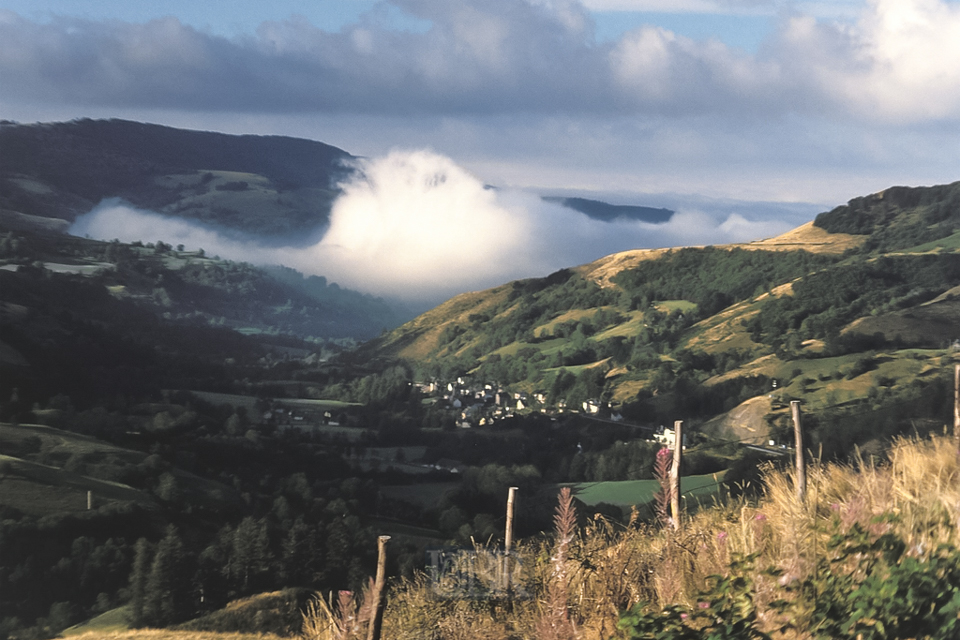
[[416, 227]]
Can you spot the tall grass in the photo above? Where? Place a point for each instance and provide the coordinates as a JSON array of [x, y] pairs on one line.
[[581, 581]]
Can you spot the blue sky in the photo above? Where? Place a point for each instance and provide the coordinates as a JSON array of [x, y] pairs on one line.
[[743, 27], [751, 100]]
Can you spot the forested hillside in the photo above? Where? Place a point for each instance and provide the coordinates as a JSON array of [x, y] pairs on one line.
[[845, 314]]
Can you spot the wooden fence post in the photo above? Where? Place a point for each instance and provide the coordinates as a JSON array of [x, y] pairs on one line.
[[956, 402], [377, 606], [675, 474], [89, 500], [801, 470], [508, 535], [505, 567]]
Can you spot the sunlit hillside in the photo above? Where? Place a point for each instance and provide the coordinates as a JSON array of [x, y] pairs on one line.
[[853, 308]]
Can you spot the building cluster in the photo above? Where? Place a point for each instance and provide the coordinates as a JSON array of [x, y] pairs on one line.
[[479, 404]]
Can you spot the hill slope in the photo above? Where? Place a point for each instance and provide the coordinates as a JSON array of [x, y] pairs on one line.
[[268, 185], [683, 333]]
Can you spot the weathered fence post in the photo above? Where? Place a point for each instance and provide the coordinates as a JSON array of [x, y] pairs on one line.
[[956, 402], [508, 535], [505, 568], [377, 606], [801, 471], [89, 500], [675, 474]]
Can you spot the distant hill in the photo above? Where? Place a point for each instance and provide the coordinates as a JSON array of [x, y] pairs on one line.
[[858, 309], [267, 185], [276, 188], [185, 287], [609, 212], [899, 217]]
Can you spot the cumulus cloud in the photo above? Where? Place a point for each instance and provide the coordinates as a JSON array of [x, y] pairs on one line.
[[899, 59], [416, 226]]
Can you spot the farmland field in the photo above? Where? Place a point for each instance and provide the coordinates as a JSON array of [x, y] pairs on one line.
[[627, 493], [250, 402]]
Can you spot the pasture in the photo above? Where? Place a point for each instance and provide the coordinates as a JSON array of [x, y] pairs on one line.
[[627, 493]]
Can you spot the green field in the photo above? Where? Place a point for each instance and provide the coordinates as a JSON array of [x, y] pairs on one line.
[[250, 402], [827, 382], [950, 243], [627, 493], [43, 488], [108, 622], [307, 403], [676, 305]]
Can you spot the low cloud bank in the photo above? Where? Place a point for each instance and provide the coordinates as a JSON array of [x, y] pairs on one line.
[[415, 226]]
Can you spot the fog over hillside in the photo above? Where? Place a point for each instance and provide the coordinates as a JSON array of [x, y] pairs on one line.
[[415, 225]]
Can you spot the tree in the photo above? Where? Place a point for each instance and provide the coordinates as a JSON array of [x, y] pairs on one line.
[[138, 582], [249, 553], [302, 553], [166, 597]]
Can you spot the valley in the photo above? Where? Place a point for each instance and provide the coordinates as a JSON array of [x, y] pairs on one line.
[[236, 430]]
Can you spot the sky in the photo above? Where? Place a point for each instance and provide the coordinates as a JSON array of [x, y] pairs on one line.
[[752, 113]]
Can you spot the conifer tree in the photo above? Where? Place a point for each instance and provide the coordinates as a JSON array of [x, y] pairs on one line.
[[138, 582], [249, 553], [167, 598], [302, 552]]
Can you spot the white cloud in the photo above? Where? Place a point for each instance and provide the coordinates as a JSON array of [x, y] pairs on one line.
[[737, 7], [843, 98], [899, 60], [416, 226], [417, 221], [822, 9], [899, 63]]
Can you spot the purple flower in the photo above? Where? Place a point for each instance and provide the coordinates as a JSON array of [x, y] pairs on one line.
[[703, 605], [722, 536], [760, 517]]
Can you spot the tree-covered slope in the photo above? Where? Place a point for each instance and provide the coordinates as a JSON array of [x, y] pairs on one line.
[[690, 333], [270, 185], [899, 217]]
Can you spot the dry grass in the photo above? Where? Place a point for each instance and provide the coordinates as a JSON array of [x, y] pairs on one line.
[[607, 568], [166, 634], [809, 238]]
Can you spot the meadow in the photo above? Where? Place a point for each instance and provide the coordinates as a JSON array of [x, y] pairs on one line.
[[870, 551], [629, 493]]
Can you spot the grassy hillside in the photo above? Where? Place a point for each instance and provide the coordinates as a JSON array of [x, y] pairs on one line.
[[690, 333], [869, 552]]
